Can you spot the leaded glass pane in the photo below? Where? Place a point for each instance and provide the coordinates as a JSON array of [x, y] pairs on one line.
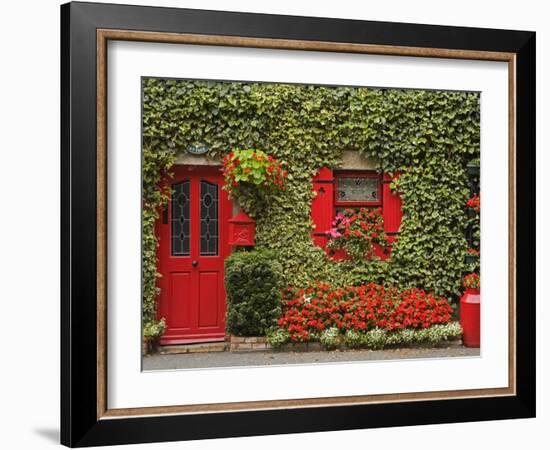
[[180, 220], [209, 218], [358, 189]]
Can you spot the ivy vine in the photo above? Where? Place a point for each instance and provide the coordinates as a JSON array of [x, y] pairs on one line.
[[427, 137]]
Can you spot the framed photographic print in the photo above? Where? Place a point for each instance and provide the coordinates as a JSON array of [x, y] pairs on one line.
[[273, 224]]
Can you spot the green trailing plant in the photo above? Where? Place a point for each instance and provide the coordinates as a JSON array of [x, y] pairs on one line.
[[253, 283], [426, 136]]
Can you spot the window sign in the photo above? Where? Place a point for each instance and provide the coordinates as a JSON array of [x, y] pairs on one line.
[[358, 189]]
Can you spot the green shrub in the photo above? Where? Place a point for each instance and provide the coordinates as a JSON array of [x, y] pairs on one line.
[[277, 337], [330, 338], [253, 283]]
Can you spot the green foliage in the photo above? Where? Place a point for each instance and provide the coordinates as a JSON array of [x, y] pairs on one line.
[[277, 337], [253, 284], [377, 338], [427, 136], [330, 338], [154, 328], [353, 338], [438, 333]]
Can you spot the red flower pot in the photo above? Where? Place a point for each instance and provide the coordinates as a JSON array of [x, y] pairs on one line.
[[469, 317]]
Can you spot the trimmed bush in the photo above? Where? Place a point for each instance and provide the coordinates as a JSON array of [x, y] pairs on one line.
[[253, 283]]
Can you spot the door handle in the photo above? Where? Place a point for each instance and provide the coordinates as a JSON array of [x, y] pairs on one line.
[[195, 263]]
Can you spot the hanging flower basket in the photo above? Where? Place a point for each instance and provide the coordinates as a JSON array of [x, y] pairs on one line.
[[252, 171]]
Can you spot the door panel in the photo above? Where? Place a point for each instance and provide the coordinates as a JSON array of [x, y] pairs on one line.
[[208, 299], [193, 244], [179, 316]]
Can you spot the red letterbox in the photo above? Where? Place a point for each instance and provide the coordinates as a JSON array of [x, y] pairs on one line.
[[469, 317], [242, 230]]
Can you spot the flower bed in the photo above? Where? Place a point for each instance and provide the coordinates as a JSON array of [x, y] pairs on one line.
[[370, 315]]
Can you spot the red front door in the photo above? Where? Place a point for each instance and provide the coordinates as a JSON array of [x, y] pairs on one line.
[[193, 244]]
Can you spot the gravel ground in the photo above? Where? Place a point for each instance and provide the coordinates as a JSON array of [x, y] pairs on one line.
[[231, 359]]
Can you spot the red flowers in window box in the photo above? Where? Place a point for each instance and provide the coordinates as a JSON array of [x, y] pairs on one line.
[[308, 312], [357, 231]]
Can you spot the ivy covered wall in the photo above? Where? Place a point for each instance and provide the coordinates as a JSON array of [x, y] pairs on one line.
[[426, 136]]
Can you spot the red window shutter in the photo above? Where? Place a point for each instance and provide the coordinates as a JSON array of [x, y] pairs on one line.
[[391, 211], [322, 205]]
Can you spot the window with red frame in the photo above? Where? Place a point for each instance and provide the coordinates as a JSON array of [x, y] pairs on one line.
[[340, 189]]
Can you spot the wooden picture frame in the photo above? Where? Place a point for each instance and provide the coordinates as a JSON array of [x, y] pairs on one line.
[[86, 419]]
